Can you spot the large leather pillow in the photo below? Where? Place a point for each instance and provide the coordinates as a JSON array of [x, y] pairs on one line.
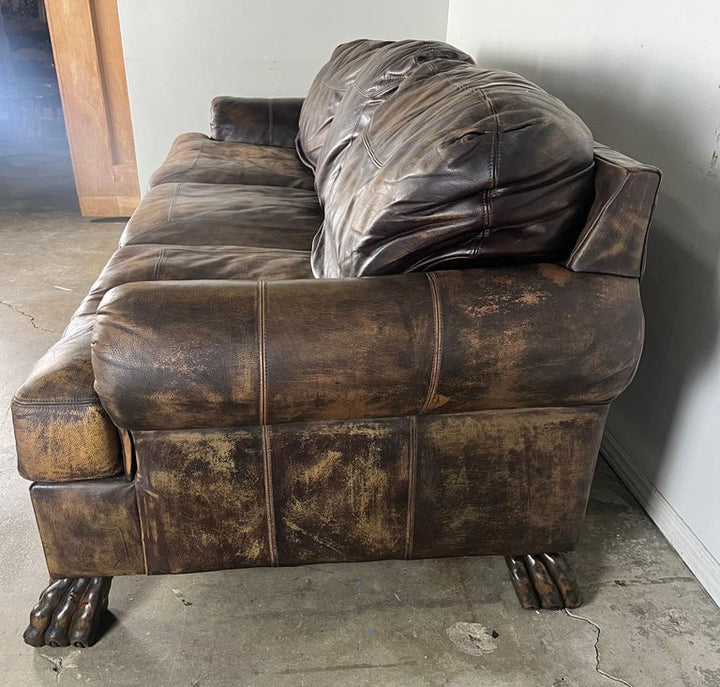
[[461, 166], [385, 68], [326, 91], [358, 76]]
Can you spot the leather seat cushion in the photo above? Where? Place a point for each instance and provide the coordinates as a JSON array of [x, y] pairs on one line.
[[225, 214], [195, 157], [365, 70], [461, 166]]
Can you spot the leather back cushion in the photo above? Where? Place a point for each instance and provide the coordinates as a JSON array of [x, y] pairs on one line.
[[384, 69], [358, 73], [459, 166]]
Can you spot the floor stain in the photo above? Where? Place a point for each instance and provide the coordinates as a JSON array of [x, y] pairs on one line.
[[472, 638]]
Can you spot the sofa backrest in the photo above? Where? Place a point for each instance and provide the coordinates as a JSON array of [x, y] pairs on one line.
[[459, 166], [358, 75]]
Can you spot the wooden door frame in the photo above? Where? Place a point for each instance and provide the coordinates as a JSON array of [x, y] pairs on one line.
[[87, 48]]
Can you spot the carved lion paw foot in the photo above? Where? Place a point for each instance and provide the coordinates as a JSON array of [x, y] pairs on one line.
[[68, 612], [543, 580]]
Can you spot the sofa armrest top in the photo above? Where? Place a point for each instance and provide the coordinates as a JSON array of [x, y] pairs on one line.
[[210, 354], [260, 121]]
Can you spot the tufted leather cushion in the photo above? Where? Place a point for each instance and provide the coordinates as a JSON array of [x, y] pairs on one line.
[[460, 166], [362, 71]]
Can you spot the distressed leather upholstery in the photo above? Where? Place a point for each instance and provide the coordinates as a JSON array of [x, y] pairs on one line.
[[213, 404]]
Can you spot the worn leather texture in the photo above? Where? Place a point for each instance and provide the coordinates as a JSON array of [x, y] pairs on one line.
[[89, 528], [336, 491], [62, 430], [213, 405], [462, 166], [383, 71], [359, 73], [614, 237], [260, 121], [195, 157], [286, 351], [189, 214]]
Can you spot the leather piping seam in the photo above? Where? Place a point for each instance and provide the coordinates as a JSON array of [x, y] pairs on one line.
[[437, 349], [494, 163], [267, 461], [201, 150], [368, 148], [269, 503], [171, 206], [142, 514], [412, 471], [262, 410], [42, 402], [158, 263]]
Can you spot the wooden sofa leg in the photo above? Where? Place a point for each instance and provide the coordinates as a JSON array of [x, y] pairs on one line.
[[69, 612], [543, 580]]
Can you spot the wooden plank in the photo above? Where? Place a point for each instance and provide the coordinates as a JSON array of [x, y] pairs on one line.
[[85, 36]]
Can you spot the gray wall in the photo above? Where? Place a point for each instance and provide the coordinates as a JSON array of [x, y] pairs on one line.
[[644, 75], [180, 54]]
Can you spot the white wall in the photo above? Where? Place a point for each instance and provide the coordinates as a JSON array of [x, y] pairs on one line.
[[181, 53], [645, 76]]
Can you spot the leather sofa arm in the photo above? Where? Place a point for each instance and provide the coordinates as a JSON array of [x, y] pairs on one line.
[[261, 121], [211, 354]]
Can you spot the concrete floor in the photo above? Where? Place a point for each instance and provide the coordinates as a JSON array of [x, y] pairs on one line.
[[645, 622]]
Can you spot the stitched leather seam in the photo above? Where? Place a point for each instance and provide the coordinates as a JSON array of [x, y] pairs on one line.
[[262, 411], [331, 87], [201, 149], [437, 350], [368, 148], [142, 515], [173, 200], [269, 502], [412, 470], [42, 402], [493, 153], [156, 269]]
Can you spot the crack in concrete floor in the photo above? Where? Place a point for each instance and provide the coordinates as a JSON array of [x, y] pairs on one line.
[[29, 317], [596, 646]]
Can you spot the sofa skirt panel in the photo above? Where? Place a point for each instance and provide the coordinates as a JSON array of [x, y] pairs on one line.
[[500, 482]]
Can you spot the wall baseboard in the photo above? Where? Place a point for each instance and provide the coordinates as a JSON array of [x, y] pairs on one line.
[[701, 562]]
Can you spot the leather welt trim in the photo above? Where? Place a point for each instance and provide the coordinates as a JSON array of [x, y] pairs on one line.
[[45, 402], [269, 497], [437, 347], [262, 410], [369, 149], [412, 472]]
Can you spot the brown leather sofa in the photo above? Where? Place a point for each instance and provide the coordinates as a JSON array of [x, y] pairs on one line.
[[382, 322]]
